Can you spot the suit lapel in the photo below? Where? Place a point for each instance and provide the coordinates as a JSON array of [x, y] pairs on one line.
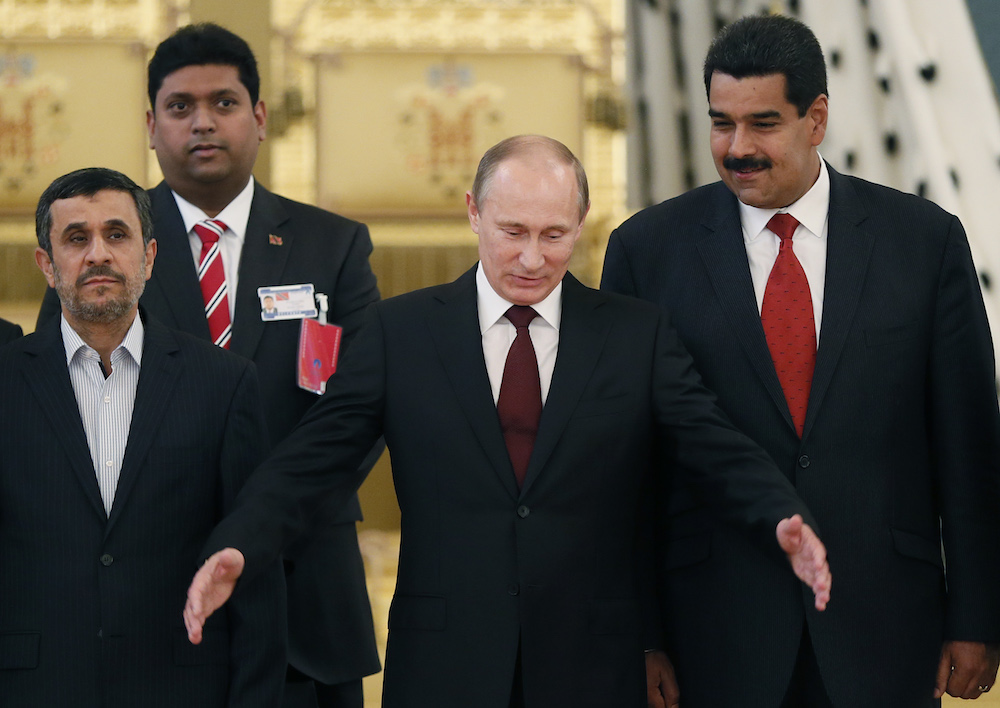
[[848, 253], [175, 277], [583, 331], [48, 379], [725, 257], [157, 378], [261, 262], [454, 328]]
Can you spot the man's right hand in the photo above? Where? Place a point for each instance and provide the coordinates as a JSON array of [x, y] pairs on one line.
[[212, 585], [661, 684]]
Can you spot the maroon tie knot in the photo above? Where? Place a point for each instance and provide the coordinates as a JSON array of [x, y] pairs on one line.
[[783, 225], [521, 315]]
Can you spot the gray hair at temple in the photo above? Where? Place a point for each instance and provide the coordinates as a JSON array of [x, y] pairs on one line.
[[86, 183], [525, 144]]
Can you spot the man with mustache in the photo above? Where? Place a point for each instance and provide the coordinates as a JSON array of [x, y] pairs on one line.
[[122, 443], [206, 122], [842, 327]]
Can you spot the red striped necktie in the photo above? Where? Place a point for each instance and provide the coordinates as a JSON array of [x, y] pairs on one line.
[[212, 277], [789, 323]]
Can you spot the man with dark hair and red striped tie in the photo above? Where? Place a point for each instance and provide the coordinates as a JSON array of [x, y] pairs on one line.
[[842, 327], [223, 236], [121, 444]]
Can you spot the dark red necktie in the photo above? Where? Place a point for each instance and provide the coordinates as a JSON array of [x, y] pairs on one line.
[[213, 281], [789, 323], [520, 403]]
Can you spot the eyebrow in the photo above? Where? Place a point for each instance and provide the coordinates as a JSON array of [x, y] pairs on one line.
[[188, 96], [77, 225], [762, 114]]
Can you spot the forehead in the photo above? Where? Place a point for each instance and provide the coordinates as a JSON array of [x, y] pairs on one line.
[[202, 79], [107, 205], [534, 184], [751, 94]]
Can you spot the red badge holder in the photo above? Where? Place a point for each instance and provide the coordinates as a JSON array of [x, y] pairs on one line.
[[319, 346]]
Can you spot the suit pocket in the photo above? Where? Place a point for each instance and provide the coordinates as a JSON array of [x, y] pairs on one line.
[[214, 649], [19, 650], [917, 547], [687, 550], [878, 337], [426, 612]]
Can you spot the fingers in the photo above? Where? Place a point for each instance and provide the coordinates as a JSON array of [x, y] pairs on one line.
[[807, 554], [943, 674], [211, 587], [661, 684]]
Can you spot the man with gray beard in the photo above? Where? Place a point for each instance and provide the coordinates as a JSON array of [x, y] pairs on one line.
[[122, 443]]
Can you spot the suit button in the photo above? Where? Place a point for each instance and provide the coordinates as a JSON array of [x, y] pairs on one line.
[[523, 511], [513, 589], [107, 559], [804, 461]]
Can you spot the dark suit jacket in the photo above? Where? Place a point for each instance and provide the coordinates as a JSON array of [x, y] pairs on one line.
[[483, 566], [91, 610], [8, 332], [899, 453], [331, 637]]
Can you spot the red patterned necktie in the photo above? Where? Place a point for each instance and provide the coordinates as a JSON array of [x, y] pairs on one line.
[[520, 403], [789, 322], [212, 277]]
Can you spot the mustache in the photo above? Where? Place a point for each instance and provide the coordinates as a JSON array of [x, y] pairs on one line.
[[99, 271], [746, 163]]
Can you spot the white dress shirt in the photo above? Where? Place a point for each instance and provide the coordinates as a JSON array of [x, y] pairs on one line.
[[105, 403], [808, 242], [235, 216], [498, 333]]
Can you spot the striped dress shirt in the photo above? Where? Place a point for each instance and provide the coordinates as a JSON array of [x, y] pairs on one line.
[[105, 403]]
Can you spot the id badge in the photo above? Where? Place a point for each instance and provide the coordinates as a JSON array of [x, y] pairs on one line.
[[287, 302]]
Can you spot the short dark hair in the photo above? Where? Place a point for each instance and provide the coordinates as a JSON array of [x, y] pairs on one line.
[[759, 45], [519, 145], [86, 183], [200, 45]]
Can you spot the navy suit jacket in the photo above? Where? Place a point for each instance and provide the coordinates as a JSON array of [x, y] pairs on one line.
[[899, 454], [485, 568], [331, 637], [91, 610]]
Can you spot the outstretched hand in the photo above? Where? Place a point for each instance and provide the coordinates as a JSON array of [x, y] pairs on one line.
[[212, 585], [807, 554]]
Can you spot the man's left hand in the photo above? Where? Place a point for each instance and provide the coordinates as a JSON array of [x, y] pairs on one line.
[[967, 669], [807, 554]]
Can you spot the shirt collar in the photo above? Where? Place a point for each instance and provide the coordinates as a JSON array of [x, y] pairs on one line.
[[810, 210], [492, 307], [132, 343], [235, 216]]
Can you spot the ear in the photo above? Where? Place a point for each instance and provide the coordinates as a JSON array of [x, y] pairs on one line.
[[151, 129], [150, 257], [473, 212], [818, 113], [44, 264], [260, 115], [579, 229]]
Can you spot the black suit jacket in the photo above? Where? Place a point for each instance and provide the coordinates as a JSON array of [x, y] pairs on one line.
[[484, 566], [899, 453], [8, 332], [91, 610], [331, 637]]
